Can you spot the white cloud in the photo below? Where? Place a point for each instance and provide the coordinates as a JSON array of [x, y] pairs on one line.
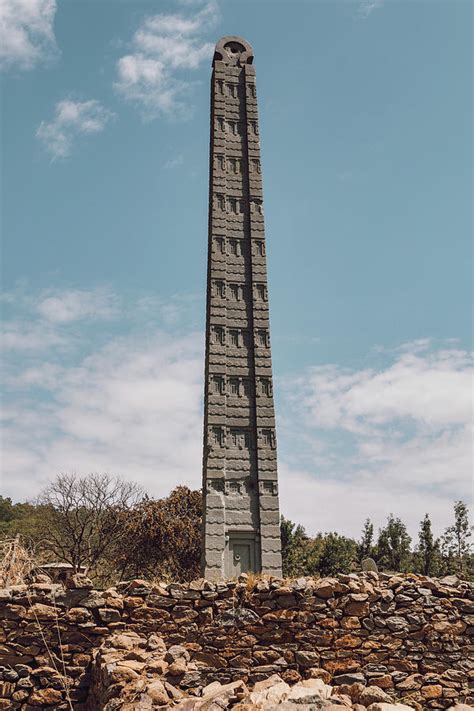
[[132, 408], [155, 74], [352, 443], [429, 389], [396, 438], [27, 336], [366, 7], [26, 32], [71, 120], [74, 304]]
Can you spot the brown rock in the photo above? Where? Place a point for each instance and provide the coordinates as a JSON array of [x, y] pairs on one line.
[[45, 697], [373, 695], [318, 673], [205, 659], [451, 628], [307, 659], [177, 667], [42, 612], [341, 665], [182, 615], [384, 682], [122, 675], [356, 609], [411, 683], [158, 666], [109, 614], [79, 581], [348, 641], [78, 615], [157, 692], [432, 691], [350, 623], [291, 676]]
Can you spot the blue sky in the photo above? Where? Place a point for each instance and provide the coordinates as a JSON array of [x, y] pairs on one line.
[[365, 111]]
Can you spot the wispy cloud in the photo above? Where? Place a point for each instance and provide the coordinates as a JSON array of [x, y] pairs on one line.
[[26, 32], [366, 7], [397, 436], [124, 394], [165, 48], [87, 398], [71, 120], [65, 306]]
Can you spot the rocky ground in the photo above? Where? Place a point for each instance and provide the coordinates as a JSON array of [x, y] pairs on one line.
[[135, 673], [353, 640]]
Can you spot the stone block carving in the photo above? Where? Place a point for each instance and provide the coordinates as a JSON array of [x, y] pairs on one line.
[[239, 462]]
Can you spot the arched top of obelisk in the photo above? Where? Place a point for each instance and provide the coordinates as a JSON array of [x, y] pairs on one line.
[[233, 50]]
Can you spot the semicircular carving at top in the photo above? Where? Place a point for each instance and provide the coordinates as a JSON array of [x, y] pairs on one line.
[[233, 50]]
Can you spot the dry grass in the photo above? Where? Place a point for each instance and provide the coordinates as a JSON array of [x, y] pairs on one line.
[[16, 562]]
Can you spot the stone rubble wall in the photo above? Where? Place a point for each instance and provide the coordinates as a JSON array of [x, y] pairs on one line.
[[408, 636]]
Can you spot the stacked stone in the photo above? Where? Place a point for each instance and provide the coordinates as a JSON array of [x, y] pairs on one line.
[[409, 637], [241, 519]]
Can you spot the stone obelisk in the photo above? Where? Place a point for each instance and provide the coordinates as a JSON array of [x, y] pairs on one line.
[[240, 487]]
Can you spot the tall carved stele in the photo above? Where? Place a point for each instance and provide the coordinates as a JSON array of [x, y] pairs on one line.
[[241, 515]]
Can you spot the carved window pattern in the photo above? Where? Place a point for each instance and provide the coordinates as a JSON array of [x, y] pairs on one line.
[[234, 292], [232, 90], [234, 247], [235, 127], [220, 201], [234, 487], [235, 165], [217, 384], [267, 438], [219, 289], [219, 245], [220, 124], [265, 387], [261, 292], [239, 439], [217, 437], [269, 488], [254, 127], [233, 337], [256, 207], [220, 161], [234, 386], [262, 338], [259, 248], [255, 166], [219, 335], [220, 86]]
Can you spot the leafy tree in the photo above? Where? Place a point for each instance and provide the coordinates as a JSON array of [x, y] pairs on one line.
[[20, 518], [338, 554], [365, 547], [162, 538], [427, 556], [393, 546], [295, 548], [456, 545], [82, 517]]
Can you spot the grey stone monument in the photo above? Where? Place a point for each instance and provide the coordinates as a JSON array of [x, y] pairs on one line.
[[240, 487]]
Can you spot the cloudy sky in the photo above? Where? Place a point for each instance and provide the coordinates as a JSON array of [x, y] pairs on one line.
[[366, 148]]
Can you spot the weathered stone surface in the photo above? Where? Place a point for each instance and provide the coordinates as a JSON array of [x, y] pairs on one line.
[[241, 520]]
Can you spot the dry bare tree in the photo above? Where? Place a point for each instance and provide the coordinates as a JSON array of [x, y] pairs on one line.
[[83, 516]]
